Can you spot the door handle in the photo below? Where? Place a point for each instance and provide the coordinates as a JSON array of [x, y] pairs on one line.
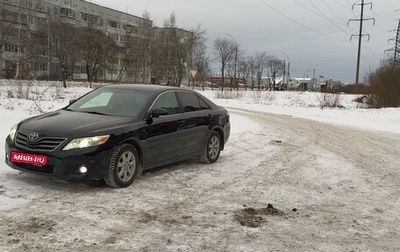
[[181, 123]]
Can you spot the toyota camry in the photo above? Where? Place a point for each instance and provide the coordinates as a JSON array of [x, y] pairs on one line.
[[115, 132]]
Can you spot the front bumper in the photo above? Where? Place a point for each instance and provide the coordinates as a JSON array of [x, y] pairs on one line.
[[65, 164]]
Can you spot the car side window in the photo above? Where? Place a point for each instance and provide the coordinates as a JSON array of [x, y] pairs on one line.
[[191, 102], [203, 104], [168, 102]]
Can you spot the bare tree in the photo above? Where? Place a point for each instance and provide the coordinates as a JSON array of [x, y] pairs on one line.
[[96, 48], [200, 62], [170, 22], [224, 50], [135, 51], [243, 70], [182, 53], [251, 63], [7, 30], [275, 68], [21, 41], [171, 53], [133, 59], [64, 44], [147, 35], [260, 64]]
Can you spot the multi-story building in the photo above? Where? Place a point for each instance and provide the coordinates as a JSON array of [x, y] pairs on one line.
[[173, 55], [26, 50]]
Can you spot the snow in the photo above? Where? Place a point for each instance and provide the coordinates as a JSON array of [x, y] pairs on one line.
[[237, 179], [308, 105], [298, 104]]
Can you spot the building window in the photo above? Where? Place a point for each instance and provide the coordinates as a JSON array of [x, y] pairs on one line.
[[84, 16], [42, 52], [11, 48], [67, 12], [10, 65], [112, 24], [114, 36], [132, 29], [41, 20], [42, 67], [112, 71], [83, 70]]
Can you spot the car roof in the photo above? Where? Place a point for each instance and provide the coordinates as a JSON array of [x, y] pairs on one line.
[[157, 89], [142, 87]]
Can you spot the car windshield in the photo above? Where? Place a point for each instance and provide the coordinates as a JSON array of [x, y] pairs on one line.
[[109, 101]]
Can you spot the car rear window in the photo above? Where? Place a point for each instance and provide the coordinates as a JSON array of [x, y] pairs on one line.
[[192, 102]]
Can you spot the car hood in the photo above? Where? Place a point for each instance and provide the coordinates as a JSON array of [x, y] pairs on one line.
[[65, 123]]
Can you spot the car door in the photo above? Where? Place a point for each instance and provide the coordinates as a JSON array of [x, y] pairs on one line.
[[165, 135], [197, 117]]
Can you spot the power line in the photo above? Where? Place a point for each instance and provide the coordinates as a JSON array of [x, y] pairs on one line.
[[305, 7], [360, 35], [326, 17], [333, 11], [298, 23]]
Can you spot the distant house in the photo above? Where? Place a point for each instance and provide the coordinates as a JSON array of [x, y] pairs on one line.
[[305, 84]]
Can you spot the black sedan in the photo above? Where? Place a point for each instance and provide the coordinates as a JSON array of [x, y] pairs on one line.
[[117, 131]]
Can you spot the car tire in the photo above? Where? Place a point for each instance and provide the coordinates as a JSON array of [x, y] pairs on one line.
[[212, 148], [123, 167]]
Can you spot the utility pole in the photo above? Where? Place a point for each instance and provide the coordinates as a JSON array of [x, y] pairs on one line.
[[360, 35], [236, 59], [313, 81], [286, 74], [396, 48]]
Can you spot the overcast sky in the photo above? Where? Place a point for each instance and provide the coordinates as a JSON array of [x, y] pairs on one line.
[[311, 34]]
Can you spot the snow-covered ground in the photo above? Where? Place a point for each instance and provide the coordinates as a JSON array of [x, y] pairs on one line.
[[323, 191], [306, 105]]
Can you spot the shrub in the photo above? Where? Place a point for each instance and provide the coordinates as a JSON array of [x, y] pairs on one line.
[[20, 90], [384, 86], [329, 100]]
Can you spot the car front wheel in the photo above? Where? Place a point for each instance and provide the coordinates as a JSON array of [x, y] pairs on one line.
[[212, 148], [123, 167]]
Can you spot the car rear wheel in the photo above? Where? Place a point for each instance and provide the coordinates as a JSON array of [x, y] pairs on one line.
[[212, 148], [123, 167]]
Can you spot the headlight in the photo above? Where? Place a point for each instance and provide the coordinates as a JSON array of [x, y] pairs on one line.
[[13, 131], [85, 142]]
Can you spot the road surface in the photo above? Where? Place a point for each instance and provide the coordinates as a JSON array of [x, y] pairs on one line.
[[281, 184]]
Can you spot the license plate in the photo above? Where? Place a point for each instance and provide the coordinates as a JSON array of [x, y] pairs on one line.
[[25, 158]]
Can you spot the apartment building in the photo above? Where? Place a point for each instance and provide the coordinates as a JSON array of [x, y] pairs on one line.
[[27, 52], [173, 55]]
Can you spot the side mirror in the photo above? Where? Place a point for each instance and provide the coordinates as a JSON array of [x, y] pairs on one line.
[[158, 112]]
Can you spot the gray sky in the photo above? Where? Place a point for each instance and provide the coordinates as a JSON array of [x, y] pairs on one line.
[[312, 33]]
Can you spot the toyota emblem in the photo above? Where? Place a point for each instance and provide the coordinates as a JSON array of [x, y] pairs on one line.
[[33, 137]]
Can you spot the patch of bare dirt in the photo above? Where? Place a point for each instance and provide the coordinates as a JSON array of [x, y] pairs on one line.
[[255, 217], [276, 142], [31, 225], [2, 189]]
